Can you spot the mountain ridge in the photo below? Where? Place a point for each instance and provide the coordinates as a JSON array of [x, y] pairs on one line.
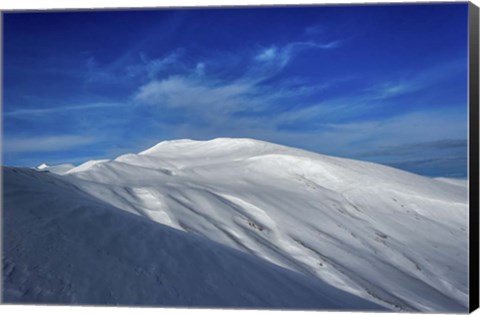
[[395, 238]]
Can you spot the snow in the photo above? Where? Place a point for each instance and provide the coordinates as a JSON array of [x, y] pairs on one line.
[[85, 166], [454, 181], [63, 247], [42, 166], [394, 238]]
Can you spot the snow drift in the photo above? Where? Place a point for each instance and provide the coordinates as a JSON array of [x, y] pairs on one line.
[[397, 239]]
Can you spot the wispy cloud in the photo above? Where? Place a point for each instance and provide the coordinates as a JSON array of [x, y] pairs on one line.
[[267, 54], [131, 67], [59, 109], [407, 82], [415, 148], [196, 90], [452, 166], [152, 67], [391, 89], [45, 144], [281, 55], [200, 69], [444, 157], [190, 93]]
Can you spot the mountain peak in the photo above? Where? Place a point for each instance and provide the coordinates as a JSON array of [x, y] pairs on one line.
[[168, 145], [42, 166]]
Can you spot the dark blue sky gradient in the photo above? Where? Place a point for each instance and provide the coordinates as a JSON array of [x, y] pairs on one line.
[[341, 80]]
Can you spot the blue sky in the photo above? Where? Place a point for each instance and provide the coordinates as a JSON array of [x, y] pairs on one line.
[[379, 83]]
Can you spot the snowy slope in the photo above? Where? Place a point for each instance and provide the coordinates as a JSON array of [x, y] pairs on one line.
[[63, 246], [85, 166], [454, 181], [392, 237]]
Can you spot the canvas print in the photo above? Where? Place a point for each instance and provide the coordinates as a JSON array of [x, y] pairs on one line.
[[301, 157]]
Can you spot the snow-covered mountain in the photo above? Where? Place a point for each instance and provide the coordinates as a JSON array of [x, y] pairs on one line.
[[62, 246], [394, 238]]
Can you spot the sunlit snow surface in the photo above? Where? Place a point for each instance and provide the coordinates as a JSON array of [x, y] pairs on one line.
[[304, 222]]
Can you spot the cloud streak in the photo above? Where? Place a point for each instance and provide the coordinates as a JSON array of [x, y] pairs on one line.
[[283, 54], [45, 144], [131, 67], [189, 93], [414, 148], [59, 109]]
